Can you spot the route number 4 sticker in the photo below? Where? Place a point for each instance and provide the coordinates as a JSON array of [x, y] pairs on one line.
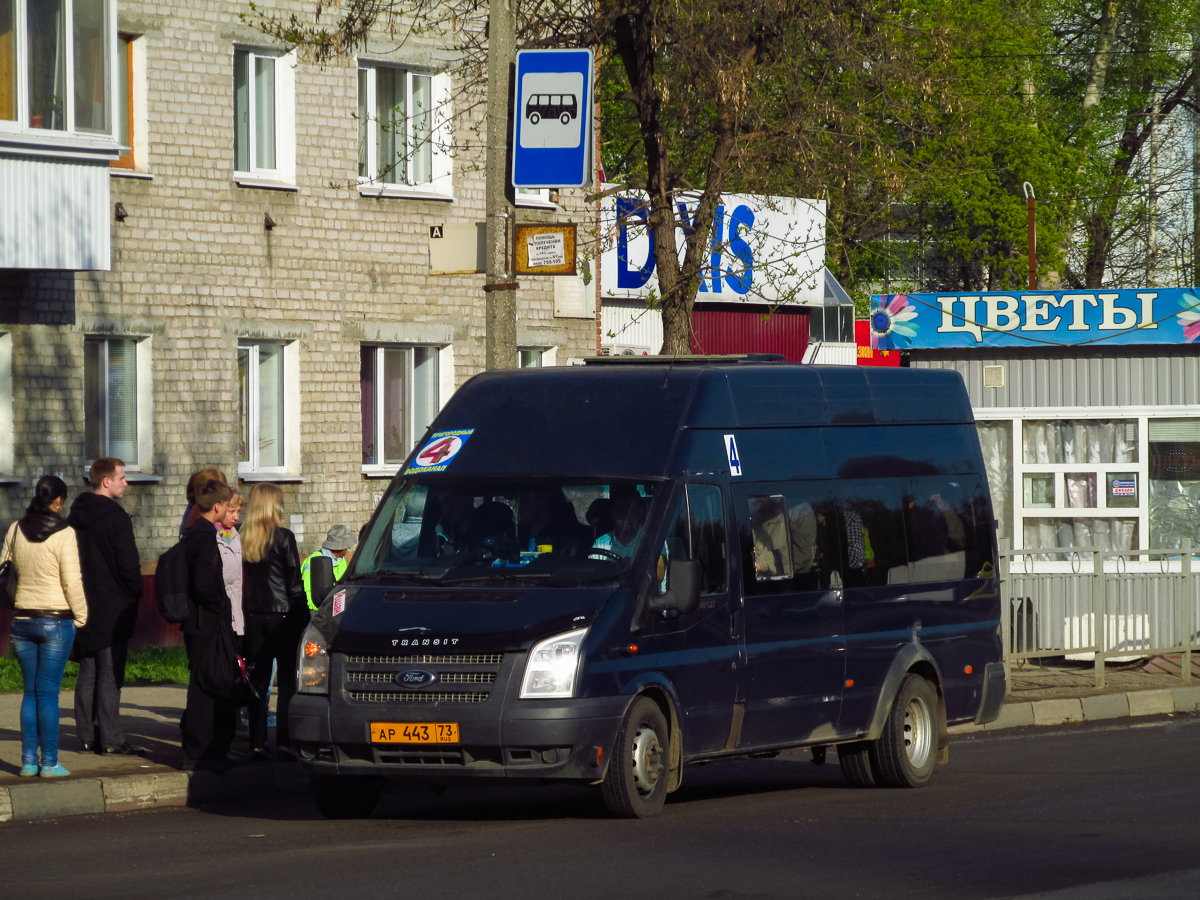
[[438, 451], [731, 451]]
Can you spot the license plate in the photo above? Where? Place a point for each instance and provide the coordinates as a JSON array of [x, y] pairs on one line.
[[414, 732]]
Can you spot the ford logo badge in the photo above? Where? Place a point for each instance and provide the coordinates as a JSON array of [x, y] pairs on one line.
[[416, 678]]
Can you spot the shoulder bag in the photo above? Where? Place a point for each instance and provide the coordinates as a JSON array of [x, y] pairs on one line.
[[8, 572]]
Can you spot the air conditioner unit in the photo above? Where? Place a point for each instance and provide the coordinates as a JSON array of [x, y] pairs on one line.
[[625, 350]]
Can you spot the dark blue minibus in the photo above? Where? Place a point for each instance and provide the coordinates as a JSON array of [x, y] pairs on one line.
[[600, 574]]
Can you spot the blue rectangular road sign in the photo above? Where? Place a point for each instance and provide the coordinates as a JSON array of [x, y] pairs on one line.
[[552, 132]]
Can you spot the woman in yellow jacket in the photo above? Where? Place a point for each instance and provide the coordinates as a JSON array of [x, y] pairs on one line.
[[49, 607]]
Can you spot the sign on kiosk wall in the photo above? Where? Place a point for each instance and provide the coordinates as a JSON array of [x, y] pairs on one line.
[[1036, 319], [868, 355], [552, 127]]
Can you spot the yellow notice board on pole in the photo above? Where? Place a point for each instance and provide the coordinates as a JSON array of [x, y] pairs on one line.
[[545, 249]]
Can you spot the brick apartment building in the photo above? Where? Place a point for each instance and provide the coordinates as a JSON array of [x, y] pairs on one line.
[[202, 264]]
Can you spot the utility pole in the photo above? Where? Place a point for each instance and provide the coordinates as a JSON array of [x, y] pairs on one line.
[[500, 291], [1152, 211], [1031, 233], [1195, 273]]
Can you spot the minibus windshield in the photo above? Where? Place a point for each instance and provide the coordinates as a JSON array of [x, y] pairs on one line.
[[549, 532]]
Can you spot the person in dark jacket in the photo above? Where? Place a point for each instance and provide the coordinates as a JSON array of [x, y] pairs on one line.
[[112, 583], [207, 725], [276, 610]]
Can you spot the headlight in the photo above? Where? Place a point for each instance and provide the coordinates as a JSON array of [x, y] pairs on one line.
[[313, 676], [553, 665]]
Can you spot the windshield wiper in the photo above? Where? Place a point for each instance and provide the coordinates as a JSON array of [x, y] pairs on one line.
[[501, 575], [414, 577]]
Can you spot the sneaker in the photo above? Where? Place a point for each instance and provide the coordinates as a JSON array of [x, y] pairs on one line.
[[123, 750], [29, 771], [58, 771]]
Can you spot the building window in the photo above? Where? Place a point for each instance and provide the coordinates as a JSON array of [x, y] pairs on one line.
[[110, 387], [264, 114], [530, 358], [401, 117], [400, 397], [43, 43], [125, 102], [262, 407]]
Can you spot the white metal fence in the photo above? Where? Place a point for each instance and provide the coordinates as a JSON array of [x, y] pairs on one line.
[[1107, 604]]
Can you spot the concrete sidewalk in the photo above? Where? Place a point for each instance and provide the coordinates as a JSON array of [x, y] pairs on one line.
[[1038, 695], [99, 784]]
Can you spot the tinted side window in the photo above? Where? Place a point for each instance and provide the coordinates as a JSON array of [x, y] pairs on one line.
[[872, 533], [789, 539], [948, 528], [708, 537], [695, 529]]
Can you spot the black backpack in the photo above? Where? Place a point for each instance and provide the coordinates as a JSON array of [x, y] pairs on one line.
[[171, 585]]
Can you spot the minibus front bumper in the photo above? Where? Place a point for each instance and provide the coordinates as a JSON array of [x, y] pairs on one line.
[[532, 740]]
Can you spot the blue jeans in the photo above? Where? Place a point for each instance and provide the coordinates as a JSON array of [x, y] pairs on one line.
[[42, 646]]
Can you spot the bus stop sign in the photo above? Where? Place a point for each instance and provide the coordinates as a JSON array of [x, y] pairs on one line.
[[552, 128]]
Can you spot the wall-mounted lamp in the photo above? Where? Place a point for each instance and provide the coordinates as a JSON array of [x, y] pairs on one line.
[[553, 195], [268, 222], [119, 212]]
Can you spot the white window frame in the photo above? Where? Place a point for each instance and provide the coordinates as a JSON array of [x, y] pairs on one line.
[[284, 173], [1017, 418], [291, 411], [442, 355], [69, 135], [533, 198], [8, 434], [143, 379], [548, 357], [440, 186]]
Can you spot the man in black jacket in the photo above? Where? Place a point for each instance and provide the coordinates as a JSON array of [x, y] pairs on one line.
[[112, 584], [208, 721]]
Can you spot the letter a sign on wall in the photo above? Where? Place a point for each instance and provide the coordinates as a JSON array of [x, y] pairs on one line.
[[552, 127]]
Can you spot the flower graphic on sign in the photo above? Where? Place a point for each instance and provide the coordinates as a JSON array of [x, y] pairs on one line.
[[1189, 319], [891, 322]]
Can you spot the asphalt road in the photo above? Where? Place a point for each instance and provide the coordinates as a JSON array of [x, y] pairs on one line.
[[1085, 812]]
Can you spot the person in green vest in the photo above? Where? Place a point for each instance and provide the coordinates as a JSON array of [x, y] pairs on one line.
[[338, 541]]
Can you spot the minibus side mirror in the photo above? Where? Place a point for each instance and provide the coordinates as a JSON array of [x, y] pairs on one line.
[[683, 587], [320, 575]]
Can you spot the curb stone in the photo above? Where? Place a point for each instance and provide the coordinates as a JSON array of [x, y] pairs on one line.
[[84, 796], [1164, 701]]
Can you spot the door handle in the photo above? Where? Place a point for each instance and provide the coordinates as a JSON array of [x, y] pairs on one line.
[[735, 623]]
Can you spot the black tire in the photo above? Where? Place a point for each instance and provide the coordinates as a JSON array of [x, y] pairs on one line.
[[346, 796], [635, 786], [534, 118], [855, 760], [906, 751], [565, 118]]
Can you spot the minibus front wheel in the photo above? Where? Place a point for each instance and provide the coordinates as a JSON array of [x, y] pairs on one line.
[[635, 785]]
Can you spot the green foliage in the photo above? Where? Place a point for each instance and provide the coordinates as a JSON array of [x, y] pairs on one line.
[[160, 665]]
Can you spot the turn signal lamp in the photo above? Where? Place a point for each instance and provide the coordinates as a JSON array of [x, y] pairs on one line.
[[313, 674]]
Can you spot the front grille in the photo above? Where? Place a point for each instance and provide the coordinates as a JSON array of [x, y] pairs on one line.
[[443, 678], [418, 696], [460, 659]]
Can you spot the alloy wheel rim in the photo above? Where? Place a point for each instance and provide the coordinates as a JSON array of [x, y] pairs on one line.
[[647, 759], [918, 732]]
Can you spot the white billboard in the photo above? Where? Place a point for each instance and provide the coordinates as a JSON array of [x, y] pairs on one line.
[[761, 250]]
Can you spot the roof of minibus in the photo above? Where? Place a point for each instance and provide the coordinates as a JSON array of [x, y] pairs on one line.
[[625, 420]]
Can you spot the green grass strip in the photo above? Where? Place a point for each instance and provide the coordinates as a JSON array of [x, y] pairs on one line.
[[161, 665]]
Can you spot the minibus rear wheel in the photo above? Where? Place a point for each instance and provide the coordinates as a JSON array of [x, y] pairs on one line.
[[635, 786], [905, 753], [346, 796], [855, 760]]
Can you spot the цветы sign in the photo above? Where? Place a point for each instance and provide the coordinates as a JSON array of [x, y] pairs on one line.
[[1035, 319]]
